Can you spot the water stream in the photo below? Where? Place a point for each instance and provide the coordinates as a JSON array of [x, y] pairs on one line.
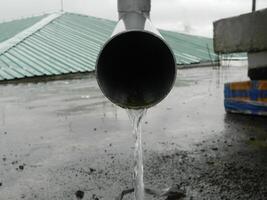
[[136, 117]]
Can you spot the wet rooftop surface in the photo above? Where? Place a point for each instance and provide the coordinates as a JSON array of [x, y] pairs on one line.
[[63, 136]]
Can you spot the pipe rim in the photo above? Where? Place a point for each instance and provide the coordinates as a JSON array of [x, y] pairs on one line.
[[149, 33]]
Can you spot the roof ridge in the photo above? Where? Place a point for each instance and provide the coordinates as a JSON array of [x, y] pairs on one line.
[[185, 34], [90, 16], [8, 44]]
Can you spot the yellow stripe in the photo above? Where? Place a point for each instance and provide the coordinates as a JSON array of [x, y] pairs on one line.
[[241, 85], [240, 98], [262, 85], [264, 100]]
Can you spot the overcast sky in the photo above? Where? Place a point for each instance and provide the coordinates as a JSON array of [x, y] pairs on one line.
[[191, 16]]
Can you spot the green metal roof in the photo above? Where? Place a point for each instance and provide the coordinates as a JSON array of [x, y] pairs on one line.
[[10, 29], [189, 49], [70, 43]]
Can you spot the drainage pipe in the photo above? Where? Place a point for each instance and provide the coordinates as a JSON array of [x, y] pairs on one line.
[[136, 68]]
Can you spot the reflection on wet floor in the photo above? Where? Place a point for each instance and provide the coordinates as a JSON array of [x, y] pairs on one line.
[[69, 138]]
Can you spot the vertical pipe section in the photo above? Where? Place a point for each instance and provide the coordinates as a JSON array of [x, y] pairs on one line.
[[140, 6], [61, 5], [253, 5]]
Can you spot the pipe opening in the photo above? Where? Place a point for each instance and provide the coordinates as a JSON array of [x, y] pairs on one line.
[[136, 69]]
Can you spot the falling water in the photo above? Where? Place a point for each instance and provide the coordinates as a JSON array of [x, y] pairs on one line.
[[136, 117]]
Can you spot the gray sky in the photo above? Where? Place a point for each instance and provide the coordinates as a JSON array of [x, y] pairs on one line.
[[191, 16]]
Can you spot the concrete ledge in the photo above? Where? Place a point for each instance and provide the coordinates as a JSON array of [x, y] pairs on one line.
[[257, 60], [244, 33], [45, 78], [257, 65]]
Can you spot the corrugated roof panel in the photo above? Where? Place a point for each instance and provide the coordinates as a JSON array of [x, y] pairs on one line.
[[51, 59], [192, 45], [91, 36], [5, 76], [102, 25], [41, 60], [65, 48], [73, 38], [25, 65], [30, 61], [57, 55], [3, 73], [87, 47], [101, 34], [23, 69], [70, 43], [13, 70]]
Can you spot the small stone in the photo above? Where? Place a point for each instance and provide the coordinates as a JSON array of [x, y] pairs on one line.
[[1, 184], [21, 167], [94, 197], [252, 138], [92, 170], [79, 194], [94, 129], [175, 193], [210, 162], [214, 149], [14, 162]]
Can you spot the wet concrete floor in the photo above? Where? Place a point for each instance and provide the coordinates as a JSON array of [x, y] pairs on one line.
[[63, 136]]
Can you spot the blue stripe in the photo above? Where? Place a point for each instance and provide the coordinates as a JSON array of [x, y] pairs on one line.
[[253, 93], [244, 106]]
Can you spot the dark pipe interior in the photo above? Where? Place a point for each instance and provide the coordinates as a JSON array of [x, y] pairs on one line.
[[136, 69]]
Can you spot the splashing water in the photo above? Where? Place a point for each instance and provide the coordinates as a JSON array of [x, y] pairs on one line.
[[136, 117]]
